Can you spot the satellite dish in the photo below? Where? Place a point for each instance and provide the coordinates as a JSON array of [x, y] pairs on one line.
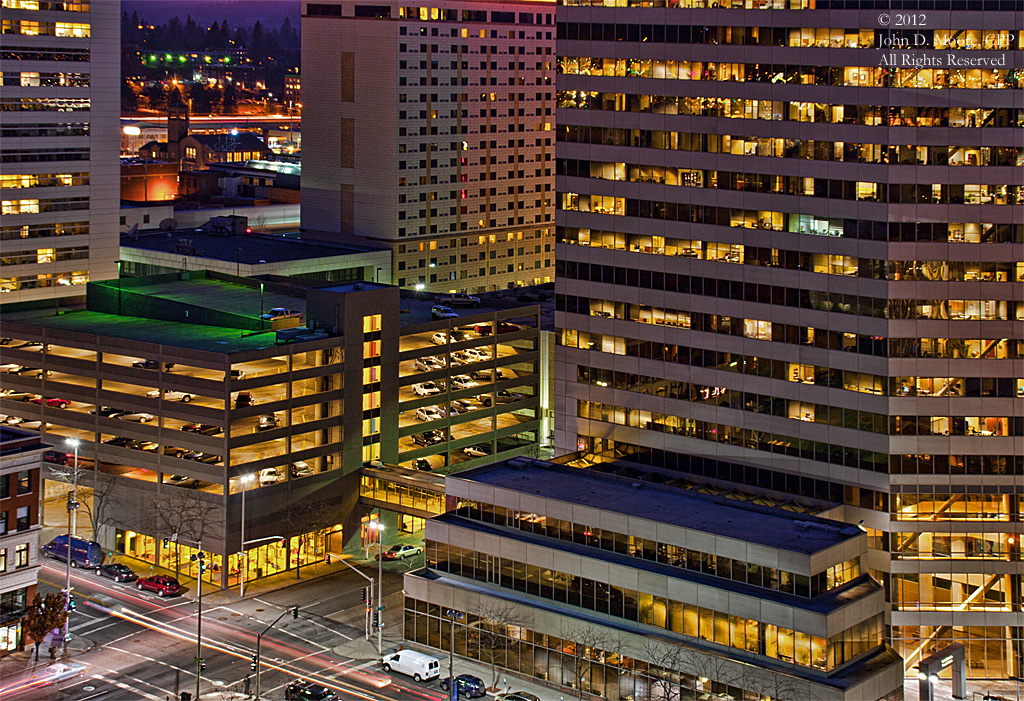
[[168, 224]]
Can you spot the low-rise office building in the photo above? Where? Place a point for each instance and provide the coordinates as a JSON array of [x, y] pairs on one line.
[[21, 457], [635, 590], [186, 388]]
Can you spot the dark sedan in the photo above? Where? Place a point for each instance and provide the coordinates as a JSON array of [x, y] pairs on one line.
[[117, 572]]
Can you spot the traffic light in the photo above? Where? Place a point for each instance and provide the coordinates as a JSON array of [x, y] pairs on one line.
[[365, 593], [295, 612], [376, 619], [166, 542], [253, 665], [202, 665], [327, 559], [71, 602]]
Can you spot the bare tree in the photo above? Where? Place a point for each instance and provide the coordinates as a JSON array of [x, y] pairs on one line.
[[89, 481], [185, 513], [709, 667], [779, 687], [310, 518], [666, 676], [589, 643], [491, 631]]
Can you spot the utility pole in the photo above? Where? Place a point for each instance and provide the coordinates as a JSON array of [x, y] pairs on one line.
[[200, 559], [294, 611], [367, 598], [72, 522]]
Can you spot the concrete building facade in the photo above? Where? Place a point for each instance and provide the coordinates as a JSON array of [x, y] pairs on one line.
[[60, 133], [626, 590], [435, 135], [182, 395], [790, 235]]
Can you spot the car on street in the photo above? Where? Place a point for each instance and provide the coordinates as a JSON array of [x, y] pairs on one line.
[[117, 572], [428, 438], [465, 685], [301, 690], [140, 416], [477, 451], [439, 311], [50, 401], [161, 584], [516, 696], [463, 382], [402, 551], [428, 363], [417, 665], [502, 396], [429, 413], [427, 389], [266, 422], [269, 475], [205, 429], [439, 339], [171, 395], [151, 365]]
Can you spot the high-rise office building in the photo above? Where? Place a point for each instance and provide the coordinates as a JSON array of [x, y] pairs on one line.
[[434, 133], [791, 236], [59, 131]]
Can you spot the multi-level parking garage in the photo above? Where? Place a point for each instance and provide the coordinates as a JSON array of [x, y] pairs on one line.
[[181, 394]]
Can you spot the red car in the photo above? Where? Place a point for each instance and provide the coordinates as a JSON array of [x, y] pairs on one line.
[[50, 401], [163, 586]]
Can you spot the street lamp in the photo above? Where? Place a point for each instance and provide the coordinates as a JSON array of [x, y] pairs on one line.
[[453, 688], [73, 505], [379, 528], [246, 479]]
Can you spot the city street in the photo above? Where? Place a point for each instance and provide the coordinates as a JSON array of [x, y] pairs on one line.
[[136, 644]]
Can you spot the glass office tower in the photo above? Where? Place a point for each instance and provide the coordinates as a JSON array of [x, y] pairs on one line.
[[791, 236]]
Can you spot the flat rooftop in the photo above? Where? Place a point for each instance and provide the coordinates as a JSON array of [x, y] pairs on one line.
[[251, 249], [766, 526], [222, 295], [214, 339], [415, 306]]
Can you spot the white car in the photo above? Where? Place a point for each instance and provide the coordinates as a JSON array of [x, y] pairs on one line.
[[477, 451], [440, 338], [429, 413], [463, 382], [269, 476], [426, 389], [12, 368], [428, 363], [481, 353], [140, 416], [171, 395]]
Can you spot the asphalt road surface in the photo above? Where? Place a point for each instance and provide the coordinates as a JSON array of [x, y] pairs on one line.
[[145, 646]]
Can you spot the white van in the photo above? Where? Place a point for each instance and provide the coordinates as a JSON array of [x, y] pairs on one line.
[[415, 664]]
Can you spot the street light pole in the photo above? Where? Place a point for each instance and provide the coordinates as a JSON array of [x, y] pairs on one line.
[[246, 479], [453, 688], [72, 523], [380, 578], [200, 558]]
